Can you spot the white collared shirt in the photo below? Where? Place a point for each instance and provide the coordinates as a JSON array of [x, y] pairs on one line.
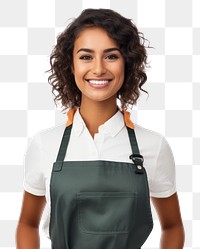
[[111, 143]]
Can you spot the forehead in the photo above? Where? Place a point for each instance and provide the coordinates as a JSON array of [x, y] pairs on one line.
[[94, 38]]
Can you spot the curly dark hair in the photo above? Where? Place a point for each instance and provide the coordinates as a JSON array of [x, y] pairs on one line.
[[130, 41]]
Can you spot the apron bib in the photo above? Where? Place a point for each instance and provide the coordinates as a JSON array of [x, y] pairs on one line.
[[99, 204]]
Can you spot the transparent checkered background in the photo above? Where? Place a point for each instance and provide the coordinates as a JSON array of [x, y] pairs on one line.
[[28, 30]]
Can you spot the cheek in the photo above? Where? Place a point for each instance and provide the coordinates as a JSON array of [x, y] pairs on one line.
[[119, 71], [79, 70]]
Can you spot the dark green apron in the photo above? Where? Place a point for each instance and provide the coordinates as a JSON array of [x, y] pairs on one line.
[[99, 204]]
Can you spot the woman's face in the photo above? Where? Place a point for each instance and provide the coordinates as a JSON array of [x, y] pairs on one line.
[[98, 65]]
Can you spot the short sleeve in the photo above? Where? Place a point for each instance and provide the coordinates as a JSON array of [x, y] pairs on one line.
[[33, 168], [163, 182]]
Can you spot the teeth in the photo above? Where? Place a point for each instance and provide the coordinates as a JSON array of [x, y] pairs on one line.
[[98, 82]]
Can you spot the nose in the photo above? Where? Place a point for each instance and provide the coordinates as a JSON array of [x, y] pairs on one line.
[[98, 67]]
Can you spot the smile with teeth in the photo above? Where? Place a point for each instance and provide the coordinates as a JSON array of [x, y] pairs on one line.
[[98, 82]]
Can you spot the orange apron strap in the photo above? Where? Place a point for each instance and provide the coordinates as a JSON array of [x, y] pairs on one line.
[[70, 115], [127, 120]]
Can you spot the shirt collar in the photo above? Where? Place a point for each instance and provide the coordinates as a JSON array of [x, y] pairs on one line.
[[78, 122], [111, 126], [114, 125]]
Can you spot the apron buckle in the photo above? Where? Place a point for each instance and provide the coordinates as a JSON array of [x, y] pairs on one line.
[[138, 162]]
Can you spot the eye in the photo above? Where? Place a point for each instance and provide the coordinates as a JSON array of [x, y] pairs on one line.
[[112, 57], [85, 57]]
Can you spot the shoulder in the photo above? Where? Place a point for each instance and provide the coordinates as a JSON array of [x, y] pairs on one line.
[[154, 140], [52, 131], [42, 149], [148, 139], [47, 136], [141, 131]]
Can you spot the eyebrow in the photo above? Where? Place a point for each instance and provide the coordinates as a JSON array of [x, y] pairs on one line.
[[104, 51]]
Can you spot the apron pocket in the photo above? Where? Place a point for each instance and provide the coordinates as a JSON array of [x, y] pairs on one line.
[[106, 212]]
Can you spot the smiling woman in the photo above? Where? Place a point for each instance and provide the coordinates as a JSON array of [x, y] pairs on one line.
[[120, 34], [98, 187]]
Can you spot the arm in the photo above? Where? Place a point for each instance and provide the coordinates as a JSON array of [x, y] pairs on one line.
[[27, 233], [171, 224]]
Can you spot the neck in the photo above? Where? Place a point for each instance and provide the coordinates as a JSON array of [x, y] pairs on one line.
[[96, 113]]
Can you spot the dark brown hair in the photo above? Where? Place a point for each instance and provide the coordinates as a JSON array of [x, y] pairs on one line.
[[130, 41]]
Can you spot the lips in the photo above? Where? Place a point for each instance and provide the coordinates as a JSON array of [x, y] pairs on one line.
[[98, 83]]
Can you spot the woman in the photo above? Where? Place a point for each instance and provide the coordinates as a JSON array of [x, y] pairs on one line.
[[97, 190]]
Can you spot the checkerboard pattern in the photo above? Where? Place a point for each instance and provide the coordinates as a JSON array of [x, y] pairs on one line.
[[28, 31]]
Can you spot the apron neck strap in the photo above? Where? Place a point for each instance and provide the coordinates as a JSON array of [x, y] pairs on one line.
[[133, 141], [64, 144]]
